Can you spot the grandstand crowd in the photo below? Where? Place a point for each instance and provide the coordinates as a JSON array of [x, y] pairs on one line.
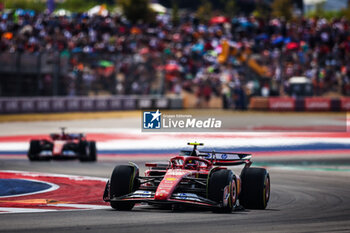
[[192, 55]]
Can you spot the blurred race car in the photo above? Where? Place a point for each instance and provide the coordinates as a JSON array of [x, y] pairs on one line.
[[194, 178], [63, 146]]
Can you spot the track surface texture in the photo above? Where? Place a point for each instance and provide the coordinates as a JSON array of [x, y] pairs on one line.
[[306, 196], [301, 201]]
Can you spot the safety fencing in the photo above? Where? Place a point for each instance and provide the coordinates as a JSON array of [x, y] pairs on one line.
[[300, 104], [80, 74], [86, 104]]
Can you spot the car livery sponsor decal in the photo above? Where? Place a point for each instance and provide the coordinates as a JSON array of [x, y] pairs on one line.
[[170, 178], [186, 196], [142, 194]]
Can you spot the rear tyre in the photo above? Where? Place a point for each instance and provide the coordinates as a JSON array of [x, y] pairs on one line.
[[83, 151], [255, 188], [34, 150], [123, 181], [222, 189], [92, 151]]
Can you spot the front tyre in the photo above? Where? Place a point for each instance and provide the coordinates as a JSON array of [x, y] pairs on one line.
[[222, 189], [255, 188], [123, 181], [87, 151]]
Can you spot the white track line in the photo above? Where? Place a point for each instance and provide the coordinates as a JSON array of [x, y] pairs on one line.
[[82, 206], [9, 210]]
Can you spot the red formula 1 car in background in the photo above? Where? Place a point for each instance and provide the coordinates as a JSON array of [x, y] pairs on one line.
[[195, 178], [63, 146]]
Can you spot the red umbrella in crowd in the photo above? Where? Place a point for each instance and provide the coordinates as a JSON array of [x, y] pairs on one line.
[[218, 19], [144, 51], [135, 30], [172, 67], [7, 35], [292, 45]]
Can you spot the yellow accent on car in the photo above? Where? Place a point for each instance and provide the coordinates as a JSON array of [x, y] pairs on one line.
[[195, 144], [170, 178]]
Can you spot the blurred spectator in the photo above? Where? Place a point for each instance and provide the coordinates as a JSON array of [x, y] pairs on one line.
[[111, 54]]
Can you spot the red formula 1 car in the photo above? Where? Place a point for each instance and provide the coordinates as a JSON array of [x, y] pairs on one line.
[[63, 146], [194, 178]]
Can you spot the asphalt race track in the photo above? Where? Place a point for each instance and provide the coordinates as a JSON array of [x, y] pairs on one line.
[[308, 194], [301, 201]]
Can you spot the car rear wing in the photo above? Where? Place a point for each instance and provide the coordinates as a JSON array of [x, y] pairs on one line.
[[222, 158]]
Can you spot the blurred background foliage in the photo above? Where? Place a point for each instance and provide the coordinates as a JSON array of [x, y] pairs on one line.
[[282, 8], [76, 5], [36, 5], [204, 11], [136, 10]]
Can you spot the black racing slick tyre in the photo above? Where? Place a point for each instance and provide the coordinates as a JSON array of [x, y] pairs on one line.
[[82, 150], [87, 151], [255, 188], [222, 189], [123, 181], [92, 151], [34, 150]]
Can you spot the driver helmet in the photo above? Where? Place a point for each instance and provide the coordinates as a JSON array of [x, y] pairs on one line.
[[192, 164]]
